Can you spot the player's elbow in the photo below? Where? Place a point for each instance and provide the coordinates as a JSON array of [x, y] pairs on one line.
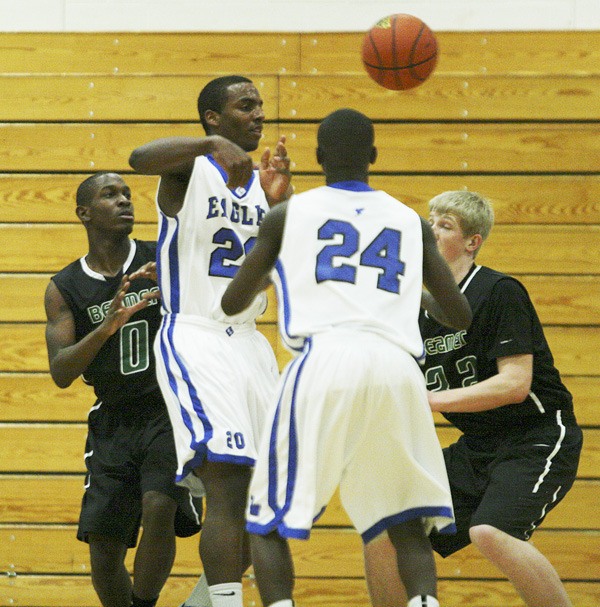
[[139, 161], [460, 319], [61, 381], [136, 160], [59, 377], [230, 304], [519, 390]]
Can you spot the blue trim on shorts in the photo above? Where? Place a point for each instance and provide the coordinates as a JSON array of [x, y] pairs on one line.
[[292, 467], [166, 333], [242, 460], [193, 463], [409, 515], [282, 530]]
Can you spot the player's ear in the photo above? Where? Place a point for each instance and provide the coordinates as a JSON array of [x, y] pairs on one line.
[[83, 212], [319, 156], [212, 118], [373, 155], [474, 242]]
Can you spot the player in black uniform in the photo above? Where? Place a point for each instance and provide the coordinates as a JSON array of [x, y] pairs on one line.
[[519, 451], [101, 326]]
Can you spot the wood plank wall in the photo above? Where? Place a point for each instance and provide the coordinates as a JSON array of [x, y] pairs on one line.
[[514, 115]]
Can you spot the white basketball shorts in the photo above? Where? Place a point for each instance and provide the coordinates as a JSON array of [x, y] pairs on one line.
[[352, 411], [218, 382]]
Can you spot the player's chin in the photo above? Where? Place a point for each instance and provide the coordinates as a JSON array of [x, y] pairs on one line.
[[125, 229], [253, 141]]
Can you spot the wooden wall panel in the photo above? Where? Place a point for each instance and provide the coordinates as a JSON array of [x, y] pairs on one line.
[[102, 98], [34, 397], [50, 198], [295, 97], [443, 97], [58, 448], [412, 148], [531, 199], [148, 53], [474, 148], [470, 53], [62, 500], [575, 349], [32, 247], [515, 249], [565, 300], [490, 53]]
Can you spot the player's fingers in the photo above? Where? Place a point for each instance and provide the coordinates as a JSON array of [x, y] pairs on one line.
[[280, 149], [151, 295], [265, 157]]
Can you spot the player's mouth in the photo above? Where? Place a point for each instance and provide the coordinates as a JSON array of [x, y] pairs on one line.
[[127, 216]]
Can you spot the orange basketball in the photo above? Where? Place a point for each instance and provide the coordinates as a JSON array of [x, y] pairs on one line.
[[399, 52]]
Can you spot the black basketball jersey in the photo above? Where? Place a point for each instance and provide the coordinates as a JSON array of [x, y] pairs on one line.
[[505, 323], [123, 370]]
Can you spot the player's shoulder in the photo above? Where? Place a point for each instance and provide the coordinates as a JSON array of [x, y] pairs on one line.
[[497, 282], [146, 247], [70, 271]]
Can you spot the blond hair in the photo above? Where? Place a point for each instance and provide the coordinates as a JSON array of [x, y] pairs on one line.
[[473, 211]]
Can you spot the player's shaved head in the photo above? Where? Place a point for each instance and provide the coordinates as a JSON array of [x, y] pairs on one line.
[[345, 139]]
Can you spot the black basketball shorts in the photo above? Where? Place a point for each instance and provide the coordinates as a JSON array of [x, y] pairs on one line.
[[128, 454], [511, 487]]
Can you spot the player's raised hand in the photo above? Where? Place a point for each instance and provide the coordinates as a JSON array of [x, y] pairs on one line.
[[235, 161], [275, 175], [118, 312], [148, 270]]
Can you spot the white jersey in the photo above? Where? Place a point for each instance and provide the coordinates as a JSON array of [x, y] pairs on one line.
[[351, 257], [202, 247]]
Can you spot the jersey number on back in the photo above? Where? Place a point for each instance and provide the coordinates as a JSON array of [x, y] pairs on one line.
[[383, 252]]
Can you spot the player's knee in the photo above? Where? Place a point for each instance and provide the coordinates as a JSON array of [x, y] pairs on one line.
[[485, 537], [158, 510], [106, 554]]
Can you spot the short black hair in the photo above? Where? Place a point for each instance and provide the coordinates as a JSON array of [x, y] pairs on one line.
[[214, 96], [345, 138], [87, 188]]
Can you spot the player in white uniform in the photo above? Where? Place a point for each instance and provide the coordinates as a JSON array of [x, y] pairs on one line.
[[217, 372], [349, 264]]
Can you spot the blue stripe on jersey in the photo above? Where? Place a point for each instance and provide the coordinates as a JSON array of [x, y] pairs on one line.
[[169, 352], [293, 342], [162, 234], [408, 515], [170, 294]]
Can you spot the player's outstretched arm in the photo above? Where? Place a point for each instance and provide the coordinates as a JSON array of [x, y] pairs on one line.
[[253, 275], [447, 304]]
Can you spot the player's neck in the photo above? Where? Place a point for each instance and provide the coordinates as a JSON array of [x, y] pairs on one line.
[[341, 175], [460, 267], [107, 257]]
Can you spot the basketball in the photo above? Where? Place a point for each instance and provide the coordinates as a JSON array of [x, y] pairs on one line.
[[399, 52]]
